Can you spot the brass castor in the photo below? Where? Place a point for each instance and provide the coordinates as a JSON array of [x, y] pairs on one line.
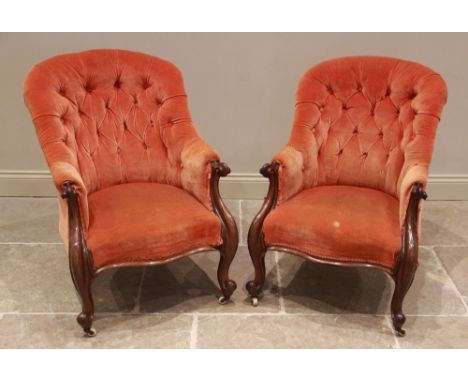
[[254, 301], [223, 300], [400, 332], [90, 332]]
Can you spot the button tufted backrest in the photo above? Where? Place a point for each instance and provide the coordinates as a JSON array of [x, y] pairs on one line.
[[116, 116], [364, 121]]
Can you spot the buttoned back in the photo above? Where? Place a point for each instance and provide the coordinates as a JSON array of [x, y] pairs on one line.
[[115, 115], [362, 120]]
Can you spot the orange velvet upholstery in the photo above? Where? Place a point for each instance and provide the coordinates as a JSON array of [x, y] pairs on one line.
[[367, 122], [111, 117], [338, 222], [147, 221]]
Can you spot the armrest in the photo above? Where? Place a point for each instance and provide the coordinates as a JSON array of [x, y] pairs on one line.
[[413, 175], [196, 160], [290, 172], [64, 173]]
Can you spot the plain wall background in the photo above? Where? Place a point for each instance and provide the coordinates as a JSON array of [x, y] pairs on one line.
[[241, 86]]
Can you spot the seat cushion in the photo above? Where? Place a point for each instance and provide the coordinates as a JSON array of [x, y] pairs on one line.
[[147, 221], [338, 223]]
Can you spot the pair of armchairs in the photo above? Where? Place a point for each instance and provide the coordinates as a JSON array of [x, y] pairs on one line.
[[137, 185]]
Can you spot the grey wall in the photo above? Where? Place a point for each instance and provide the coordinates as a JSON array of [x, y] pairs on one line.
[[241, 86]]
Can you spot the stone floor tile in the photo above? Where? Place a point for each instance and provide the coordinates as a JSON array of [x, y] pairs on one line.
[[294, 331], [309, 286], [455, 261], [190, 285], [115, 331], [29, 220], [445, 223], [249, 209], [36, 278], [425, 332]]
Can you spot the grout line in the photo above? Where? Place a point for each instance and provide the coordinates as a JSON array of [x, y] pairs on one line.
[[460, 296], [194, 332], [390, 325], [444, 246], [21, 243], [140, 288], [200, 314], [234, 314], [280, 286], [241, 230]]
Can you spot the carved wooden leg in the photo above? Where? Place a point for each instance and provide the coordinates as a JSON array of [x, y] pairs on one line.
[[227, 285], [403, 282], [257, 254], [255, 240], [86, 317], [229, 232], [79, 260], [407, 260]]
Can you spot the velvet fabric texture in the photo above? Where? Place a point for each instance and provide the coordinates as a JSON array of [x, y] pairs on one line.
[[114, 117], [147, 221], [365, 122], [338, 222]]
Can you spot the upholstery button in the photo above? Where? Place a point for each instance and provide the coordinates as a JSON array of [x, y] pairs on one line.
[[88, 88], [146, 83], [313, 129], [388, 91], [145, 146], [355, 131], [159, 102], [359, 87], [365, 155], [135, 100], [61, 91], [117, 83], [340, 152], [344, 107], [381, 134], [118, 150], [151, 123], [125, 125], [413, 94], [80, 112], [170, 122], [321, 107], [98, 132], [330, 90]]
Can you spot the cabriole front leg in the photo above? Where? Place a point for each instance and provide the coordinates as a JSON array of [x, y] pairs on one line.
[[407, 259], [255, 239], [229, 232], [79, 260]]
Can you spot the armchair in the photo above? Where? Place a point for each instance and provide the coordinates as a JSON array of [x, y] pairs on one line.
[[347, 188], [137, 185]]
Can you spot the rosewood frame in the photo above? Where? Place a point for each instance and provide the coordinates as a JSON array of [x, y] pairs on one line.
[[402, 273], [82, 269]]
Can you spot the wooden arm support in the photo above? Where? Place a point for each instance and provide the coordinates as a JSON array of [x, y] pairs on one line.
[[80, 260], [229, 232], [407, 258]]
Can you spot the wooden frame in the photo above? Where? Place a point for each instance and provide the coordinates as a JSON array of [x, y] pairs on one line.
[[82, 269], [402, 274]]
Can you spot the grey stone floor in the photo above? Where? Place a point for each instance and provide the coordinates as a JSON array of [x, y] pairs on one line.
[[305, 305]]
